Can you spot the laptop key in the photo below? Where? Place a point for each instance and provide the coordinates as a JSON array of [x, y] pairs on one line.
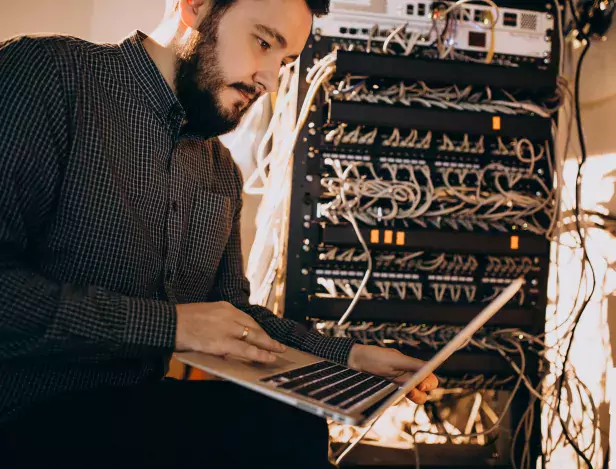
[[341, 386], [365, 395], [354, 391], [317, 385], [298, 372], [312, 377]]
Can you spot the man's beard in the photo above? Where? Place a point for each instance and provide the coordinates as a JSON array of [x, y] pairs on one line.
[[200, 80]]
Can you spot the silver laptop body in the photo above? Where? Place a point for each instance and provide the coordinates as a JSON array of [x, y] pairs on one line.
[[330, 390]]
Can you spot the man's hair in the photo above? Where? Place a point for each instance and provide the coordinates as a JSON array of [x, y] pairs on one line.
[[317, 7]]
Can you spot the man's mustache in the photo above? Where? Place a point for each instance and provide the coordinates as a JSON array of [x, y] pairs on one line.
[[248, 90]]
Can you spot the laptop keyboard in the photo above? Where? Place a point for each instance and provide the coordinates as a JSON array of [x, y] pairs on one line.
[[329, 383]]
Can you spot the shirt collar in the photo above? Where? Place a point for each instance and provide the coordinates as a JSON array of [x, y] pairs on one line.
[[146, 73]]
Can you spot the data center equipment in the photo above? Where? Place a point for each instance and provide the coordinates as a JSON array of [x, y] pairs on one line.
[[422, 185], [511, 35]]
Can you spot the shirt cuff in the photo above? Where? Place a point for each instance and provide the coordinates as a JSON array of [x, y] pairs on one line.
[[150, 326], [336, 349]]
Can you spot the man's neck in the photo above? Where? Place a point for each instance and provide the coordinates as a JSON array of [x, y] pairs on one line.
[[164, 58], [162, 44]]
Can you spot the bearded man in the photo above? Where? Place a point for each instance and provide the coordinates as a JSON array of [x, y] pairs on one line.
[[119, 244]]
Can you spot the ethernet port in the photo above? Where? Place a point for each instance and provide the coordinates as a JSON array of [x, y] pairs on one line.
[[344, 30], [484, 17], [410, 9], [510, 19], [421, 9], [353, 31]]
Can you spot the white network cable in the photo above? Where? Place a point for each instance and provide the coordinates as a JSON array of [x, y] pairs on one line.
[[351, 218], [484, 205], [495, 17], [267, 255], [408, 40], [508, 344], [449, 98], [272, 177]]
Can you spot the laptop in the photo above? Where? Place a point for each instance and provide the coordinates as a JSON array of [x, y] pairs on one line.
[[331, 390]]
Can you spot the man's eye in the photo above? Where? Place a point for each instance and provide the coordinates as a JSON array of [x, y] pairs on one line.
[[264, 45]]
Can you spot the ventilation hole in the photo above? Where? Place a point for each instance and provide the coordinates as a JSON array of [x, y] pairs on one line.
[[528, 21]]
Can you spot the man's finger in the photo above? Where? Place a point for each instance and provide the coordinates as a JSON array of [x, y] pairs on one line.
[[260, 339], [417, 396], [245, 351], [427, 385], [405, 363]]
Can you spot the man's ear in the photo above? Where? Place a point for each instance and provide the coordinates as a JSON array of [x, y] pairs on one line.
[[193, 11]]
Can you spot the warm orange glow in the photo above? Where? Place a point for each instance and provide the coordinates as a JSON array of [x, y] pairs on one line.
[[400, 238], [392, 429], [388, 237], [515, 243], [591, 350], [374, 236], [496, 123]]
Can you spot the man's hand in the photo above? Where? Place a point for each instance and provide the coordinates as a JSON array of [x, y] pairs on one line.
[[217, 329], [390, 363]]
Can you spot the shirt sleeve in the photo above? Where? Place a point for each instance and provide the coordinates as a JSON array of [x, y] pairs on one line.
[[40, 316], [232, 286]]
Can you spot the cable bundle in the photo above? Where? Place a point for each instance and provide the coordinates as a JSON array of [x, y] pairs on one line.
[[274, 163], [448, 98], [491, 203], [514, 346]]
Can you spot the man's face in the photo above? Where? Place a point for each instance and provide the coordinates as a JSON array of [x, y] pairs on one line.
[[234, 57]]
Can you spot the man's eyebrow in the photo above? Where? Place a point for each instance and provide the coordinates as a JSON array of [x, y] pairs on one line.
[[280, 39]]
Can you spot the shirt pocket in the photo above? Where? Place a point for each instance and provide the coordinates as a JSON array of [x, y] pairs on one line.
[[209, 226]]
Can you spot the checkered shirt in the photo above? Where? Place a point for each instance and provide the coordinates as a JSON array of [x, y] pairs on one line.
[[109, 216]]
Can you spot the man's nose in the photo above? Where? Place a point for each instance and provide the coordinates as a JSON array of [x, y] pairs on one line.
[[267, 81]]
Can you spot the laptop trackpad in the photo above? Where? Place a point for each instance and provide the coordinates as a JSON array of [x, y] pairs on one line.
[[279, 363], [276, 365]]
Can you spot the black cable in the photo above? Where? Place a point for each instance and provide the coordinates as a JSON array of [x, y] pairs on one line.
[[585, 258], [576, 18]]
